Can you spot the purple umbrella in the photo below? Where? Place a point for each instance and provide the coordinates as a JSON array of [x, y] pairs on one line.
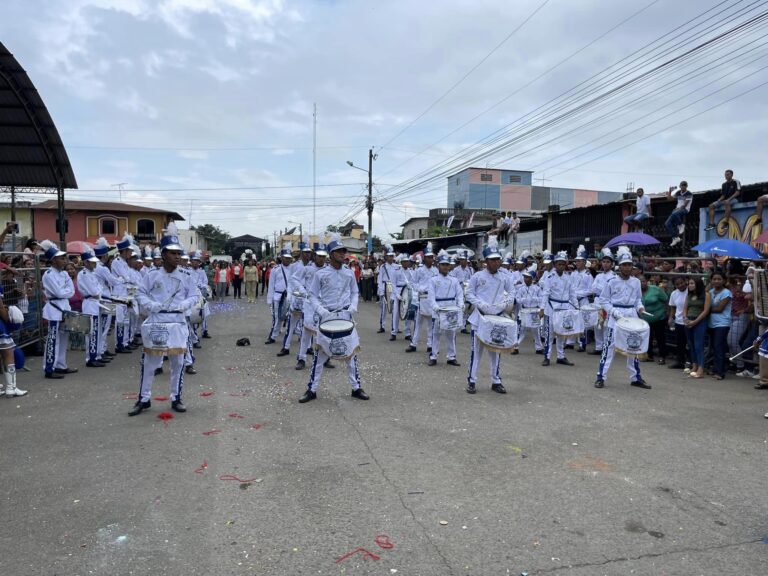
[[632, 239]]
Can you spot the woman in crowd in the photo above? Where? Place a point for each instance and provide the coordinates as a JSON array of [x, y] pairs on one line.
[[655, 304], [223, 276], [366, 282], [251, 277], [740, 310], [695, 312], [719, 322], [237, 279]]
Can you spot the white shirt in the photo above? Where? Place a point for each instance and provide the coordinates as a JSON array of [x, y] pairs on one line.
[[642, 203], [487, 292], [444, 291], [333, 290], [677, 299], [58, 288]]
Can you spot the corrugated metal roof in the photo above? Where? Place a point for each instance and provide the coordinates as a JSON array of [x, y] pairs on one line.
[[104, 207], [31, 151]]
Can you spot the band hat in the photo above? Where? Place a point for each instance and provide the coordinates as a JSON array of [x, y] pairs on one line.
[[530, 273], [157, 253], [562, 256], [125, 243], [304, 245], [581, 253], [492, 249], [546, 256], [607, 254], [51, 250], [443, 258], [286, 252], [102, 247], [335, 243], [389, 250], [463, 255], [623, 255], [88, 256], [197, 255], [170, 241], [320, 248], [428, 250]]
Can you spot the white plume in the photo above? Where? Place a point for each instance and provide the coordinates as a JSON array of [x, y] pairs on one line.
[[287, 246], [127, 236], [623, 250], [305, 239], [102, 243], [607, 252], [580, 249], [172, 229], [335, 237], [47, 245], [493, 242], [429, 248], [525, 254], [442, 253]]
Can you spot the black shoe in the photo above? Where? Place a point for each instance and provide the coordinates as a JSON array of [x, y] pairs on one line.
[[104, 360], [380, 331], [640, 383], [139, 407], [190, 370], [206, 335], [411, 349], [392, 337], [108, 354], [310, 351], [431, 362], [270, 341], [595, 353], [158, 371], [564, 362], [283, 352], [453, 362], [95, 364], [568, 347], [122, 351], [65, 370], [197, 345], [300, 365], [429, 350], [408, 338], [545, 362], [53, 376], [580, 349], [599, 383], [471, 388], [676, 366], [178, 406], [328, 364], [465, 331], [540, 352], [499, 388], [308, 396], [515, 352], [360, 394]]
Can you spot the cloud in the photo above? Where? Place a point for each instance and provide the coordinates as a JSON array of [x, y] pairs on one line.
[[193, 154], [132, 102], [222, 73]]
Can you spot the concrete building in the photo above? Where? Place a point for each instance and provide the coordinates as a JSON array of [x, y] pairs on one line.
[[415, 227]]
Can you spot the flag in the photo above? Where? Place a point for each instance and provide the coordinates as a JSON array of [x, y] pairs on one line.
[[450, 221], [471, 219]]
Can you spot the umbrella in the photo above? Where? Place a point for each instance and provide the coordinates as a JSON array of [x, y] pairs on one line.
[[728, 247], [762, 239], [78, 247], [632, 239]]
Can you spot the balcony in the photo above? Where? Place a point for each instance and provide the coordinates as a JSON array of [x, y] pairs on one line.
[[145, 237]]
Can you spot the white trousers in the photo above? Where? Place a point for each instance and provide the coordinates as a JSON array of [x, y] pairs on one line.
[[304, 343], [633, 364], [450, 341], [476, 355], [419, 326], [317, 370], [150, 363], [549, 337], [521, 331]]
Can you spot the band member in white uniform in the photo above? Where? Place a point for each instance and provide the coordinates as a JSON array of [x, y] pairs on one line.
[[302, 280], [463, 272], [334, 288], [200, 279], [621, 297], [598, 284], [527, 295], [166, 294], [121, 269], [400, 281], [444, 290], [558, 293], [297, 292], [90, 287], [58, 289], [421, 279], [387, 272], [486, 289], [583, 283], [278, 295]]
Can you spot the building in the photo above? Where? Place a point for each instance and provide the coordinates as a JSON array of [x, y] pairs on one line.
[[192, 241], [239, 244], [24, 219], [415, 227], [88, 220], [513, 190]]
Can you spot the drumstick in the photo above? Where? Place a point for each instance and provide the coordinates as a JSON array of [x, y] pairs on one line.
[[732, 358]]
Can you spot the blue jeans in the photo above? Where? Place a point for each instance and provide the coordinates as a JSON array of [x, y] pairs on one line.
[[696, 342], [675, 219], [638, 218], [719, 339]]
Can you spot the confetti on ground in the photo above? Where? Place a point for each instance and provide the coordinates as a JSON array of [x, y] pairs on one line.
[[165, 416], [161, 398], [235, 415], [207, 393], [130, 396], [211, 432], [257, 426], [236, 479], [239, 394], [202, 467], [515, 449]]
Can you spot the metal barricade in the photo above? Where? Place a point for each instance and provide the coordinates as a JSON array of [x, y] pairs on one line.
[[21, 287]]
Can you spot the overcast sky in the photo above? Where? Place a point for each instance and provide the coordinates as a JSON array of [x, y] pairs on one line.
[[190, 94]]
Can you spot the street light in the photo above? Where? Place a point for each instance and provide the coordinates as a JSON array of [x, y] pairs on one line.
[[369, 201]]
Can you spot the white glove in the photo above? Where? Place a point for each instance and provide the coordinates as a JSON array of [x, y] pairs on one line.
[[352, 310], [616, 314], [322, 312]]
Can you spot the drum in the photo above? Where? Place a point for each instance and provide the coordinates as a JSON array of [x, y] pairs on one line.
[[450, 318], [631, 337], [338, 338], [590, 313], [297, 304], [388, 291], [76, 323], [108, 308], [311, 318], [164, 338], [196, 314], [567, 322], [406, 306], [529, 317], [425, 309], [497, 333]]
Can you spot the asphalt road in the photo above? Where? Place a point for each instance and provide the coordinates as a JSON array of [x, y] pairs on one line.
[[553, 478]]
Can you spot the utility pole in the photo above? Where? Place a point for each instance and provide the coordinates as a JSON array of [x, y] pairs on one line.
[[120, 186], [13, 217], [369, 204]]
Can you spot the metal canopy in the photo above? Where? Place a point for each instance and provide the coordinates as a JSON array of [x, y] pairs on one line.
[[31, 151]]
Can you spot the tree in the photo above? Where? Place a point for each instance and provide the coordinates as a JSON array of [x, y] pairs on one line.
[[332, 228], [215, 237], [376, 244]]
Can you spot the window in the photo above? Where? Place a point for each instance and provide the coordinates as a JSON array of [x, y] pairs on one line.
[[515, 179], [108, 227], [486, 177], [145, 226], [457, 181]]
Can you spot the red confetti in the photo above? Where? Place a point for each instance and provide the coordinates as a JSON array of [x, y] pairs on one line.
[[235, 415], [207, 393], [130, 396], [383, 542], [202, 467], [161, 398], [230, 368], [235, 478], [257, 426], [165, 416], [363, 551], [211, 432]]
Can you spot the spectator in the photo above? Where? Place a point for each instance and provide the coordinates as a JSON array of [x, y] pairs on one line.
[[642, 210], [223, 276], [655, 304], [729, 195], [237, 279], [251, 277], [30, 249], [675, 224], [696, 311], [740, 306], [719, 322], [366, 283], [677, 321]]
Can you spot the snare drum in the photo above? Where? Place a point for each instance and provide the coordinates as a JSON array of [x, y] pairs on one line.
[[297, 304], [109, 308], [631, 337], [76, 323], [196, 314], [497, 333], [590, 313], [450, 318], [567, 323], [424, 307], [529, 317], [406, 306], [164, 338], [388, 291], [338, 338]]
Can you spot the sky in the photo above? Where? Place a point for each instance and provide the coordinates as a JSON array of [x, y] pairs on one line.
[[206, 107]]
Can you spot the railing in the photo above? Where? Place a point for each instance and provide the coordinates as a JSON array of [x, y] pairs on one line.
[[22, 287]]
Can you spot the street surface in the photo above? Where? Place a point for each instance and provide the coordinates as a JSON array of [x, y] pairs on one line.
[[555, 477]]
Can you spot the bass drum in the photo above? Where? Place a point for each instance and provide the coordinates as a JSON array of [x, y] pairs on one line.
[[388, 291], [406, 297]]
